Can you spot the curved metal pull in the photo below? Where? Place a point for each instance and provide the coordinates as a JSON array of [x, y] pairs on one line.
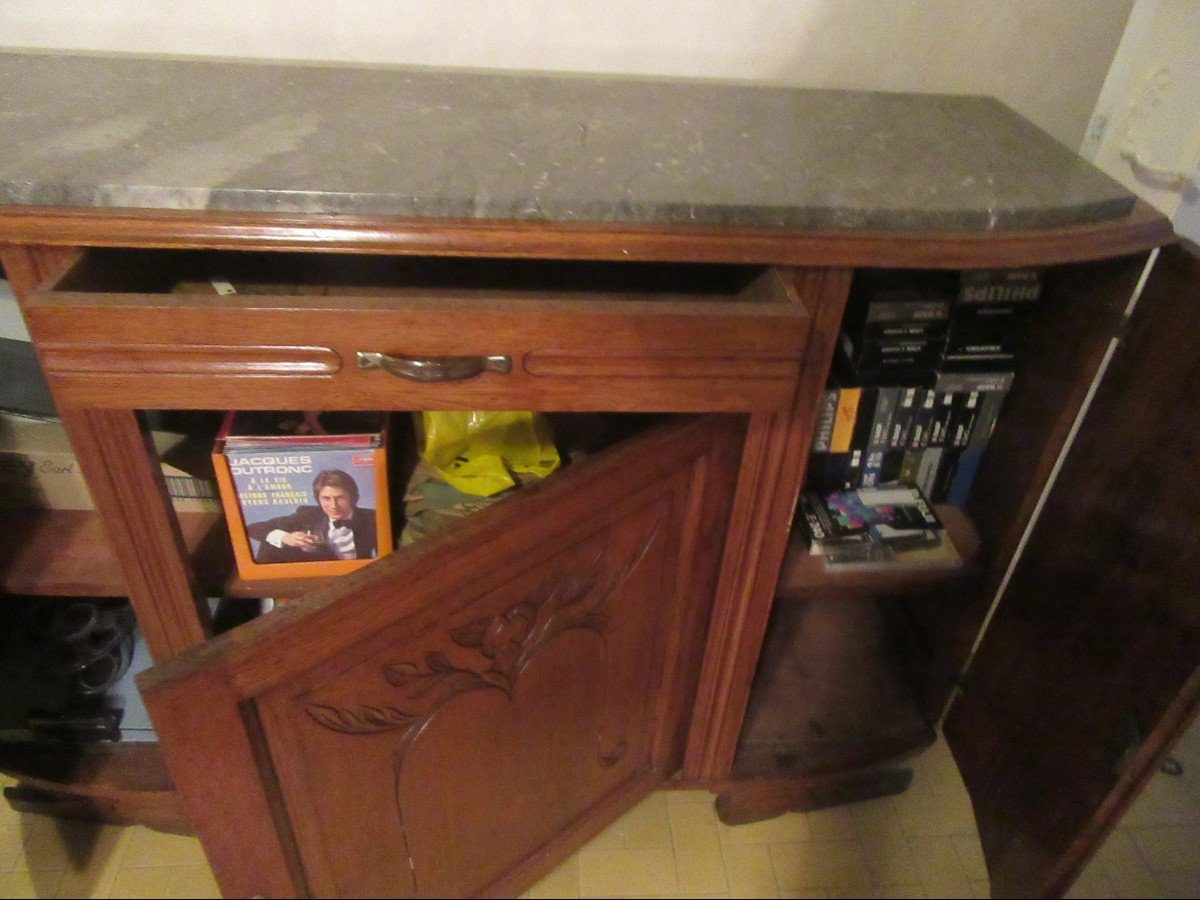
[[434, 368]]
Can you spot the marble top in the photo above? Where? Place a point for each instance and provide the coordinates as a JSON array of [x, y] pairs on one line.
[[127, 131]]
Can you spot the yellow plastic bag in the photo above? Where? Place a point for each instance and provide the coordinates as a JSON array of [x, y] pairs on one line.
[[479, 452]]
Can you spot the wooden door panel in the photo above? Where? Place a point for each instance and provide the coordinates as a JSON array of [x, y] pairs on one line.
[[537, 691], [1091, 665], [467, 703]]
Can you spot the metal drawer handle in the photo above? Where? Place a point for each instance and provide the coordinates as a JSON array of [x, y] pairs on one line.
[[434, 368]]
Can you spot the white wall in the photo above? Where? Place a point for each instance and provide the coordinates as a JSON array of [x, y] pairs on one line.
[[1045, 58], [1146, 125]]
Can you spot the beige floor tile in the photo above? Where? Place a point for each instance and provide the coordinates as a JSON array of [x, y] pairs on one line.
[[1134, 880], [1091, 883], [821, 865], [693, 824], [698, 864], [58, 844], [970, 854], [1119, 851], [690, 798], [934, 815], [611, 838], [805, 895], [562, 882], [8, 815], [947, 887], [700, 870], [879, 816], [192, 881], [749, 870], [629, 872], [1180, 883], [895, 890], [11, 847], [792, 826], [25, 883], [149, 882], [156, 848], [890, 859], [648, 824], [1168, 846], [835, 824], [1165, 801], [937, 860], [95, 875]]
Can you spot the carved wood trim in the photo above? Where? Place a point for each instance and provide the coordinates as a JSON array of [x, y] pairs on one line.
[[772, 472], [178, 359], [555, 363]]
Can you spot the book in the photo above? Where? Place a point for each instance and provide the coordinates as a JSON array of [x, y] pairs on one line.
[[893, 523], [844, 418], [939, 425], [970, 455], [860, 437], [902, 418], [304, 495], [1000, 286], [38, 468], [963, 418], [874, 362], [918, 437], [826, 413], [886, 401]]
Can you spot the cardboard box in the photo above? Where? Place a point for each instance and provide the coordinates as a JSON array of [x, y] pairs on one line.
[[38, 468]]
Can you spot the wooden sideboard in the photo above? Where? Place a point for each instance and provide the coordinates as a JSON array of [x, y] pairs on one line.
[[456, 718]]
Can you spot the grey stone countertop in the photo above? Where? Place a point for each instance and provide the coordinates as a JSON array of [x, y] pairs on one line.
[[129, 131]]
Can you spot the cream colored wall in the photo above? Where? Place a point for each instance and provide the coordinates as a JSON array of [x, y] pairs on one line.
[[1145, 130], [1045, 58]]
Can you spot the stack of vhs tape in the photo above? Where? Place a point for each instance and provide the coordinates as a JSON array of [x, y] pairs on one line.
[[924, 363]]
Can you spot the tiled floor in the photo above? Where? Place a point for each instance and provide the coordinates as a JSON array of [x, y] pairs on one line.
[[920, 844]]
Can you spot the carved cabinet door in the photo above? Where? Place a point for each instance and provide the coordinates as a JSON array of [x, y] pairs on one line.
[[1090, 668], [456, 718]]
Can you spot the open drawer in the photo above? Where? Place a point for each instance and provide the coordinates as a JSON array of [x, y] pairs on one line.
[[309, 331]]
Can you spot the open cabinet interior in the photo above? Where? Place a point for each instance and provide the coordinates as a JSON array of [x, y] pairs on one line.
[[860, 663]]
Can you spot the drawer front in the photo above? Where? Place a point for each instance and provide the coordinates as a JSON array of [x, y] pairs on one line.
[[195, 350]]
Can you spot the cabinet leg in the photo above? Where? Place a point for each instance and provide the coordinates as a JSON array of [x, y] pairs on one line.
[[759, 799], [160, 811]]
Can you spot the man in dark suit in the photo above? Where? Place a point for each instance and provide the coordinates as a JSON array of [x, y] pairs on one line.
[[334, 529]]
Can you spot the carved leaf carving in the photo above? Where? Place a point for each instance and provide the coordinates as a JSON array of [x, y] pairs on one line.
[[504, 644], [364, 720], [505, 641]]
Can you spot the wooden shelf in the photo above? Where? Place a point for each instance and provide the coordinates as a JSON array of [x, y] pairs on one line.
[[65, 553], [120, 783], [804, 574], [831, 694]]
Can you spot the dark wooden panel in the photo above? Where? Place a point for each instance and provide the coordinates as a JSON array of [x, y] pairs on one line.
[[1089, 669], [1082, 308]]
